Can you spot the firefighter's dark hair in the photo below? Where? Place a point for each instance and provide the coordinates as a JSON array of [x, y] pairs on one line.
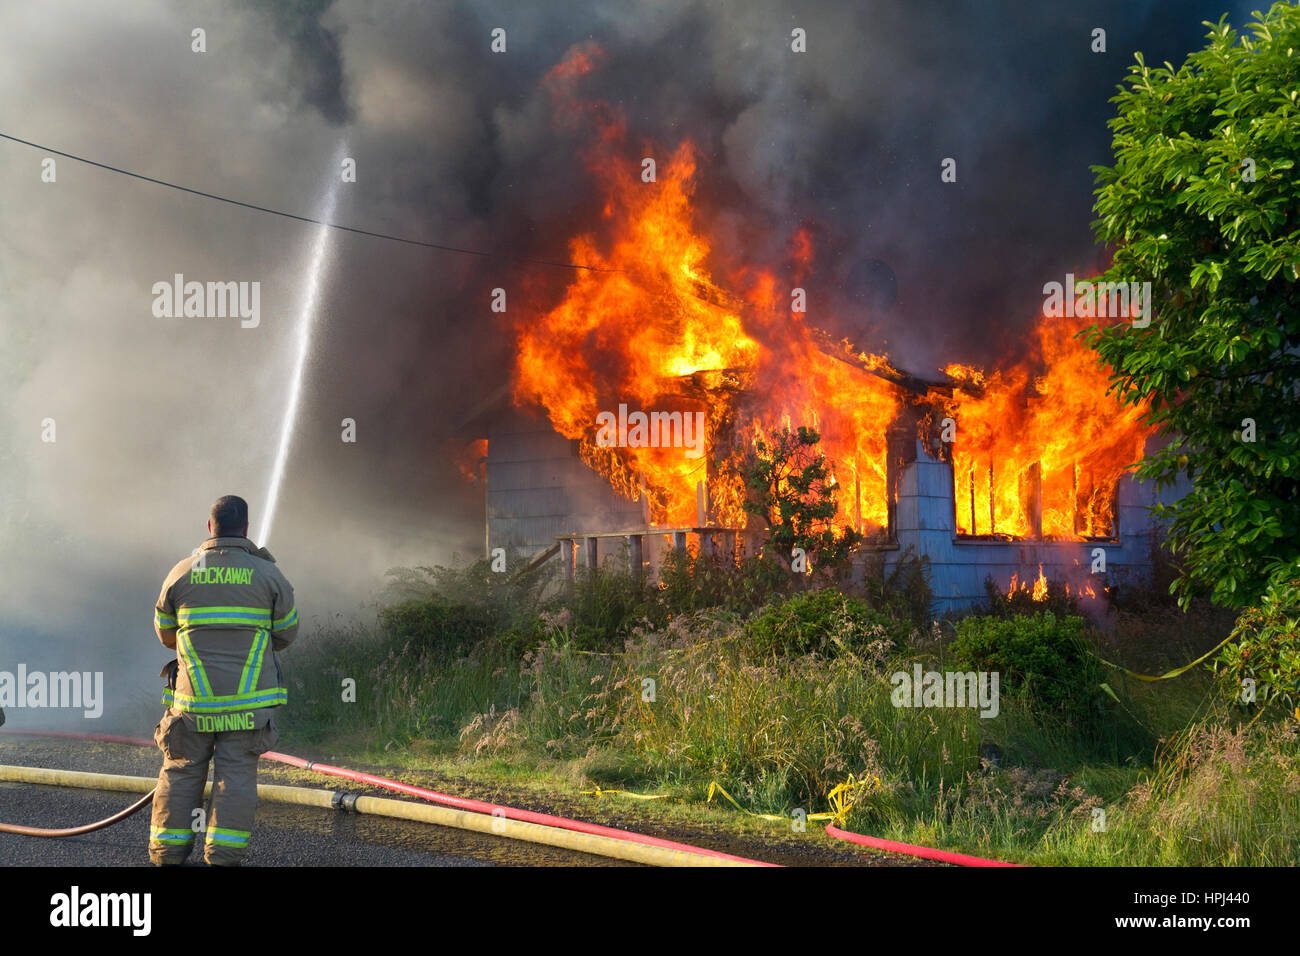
[[229, 516]]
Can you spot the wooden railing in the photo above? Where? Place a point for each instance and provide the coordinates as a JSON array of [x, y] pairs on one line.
[[721, 541]]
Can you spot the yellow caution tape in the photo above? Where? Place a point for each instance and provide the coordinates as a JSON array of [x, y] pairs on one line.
[[598, 792], [1173, 673], [837, 797], [840, 799], [715, 787]]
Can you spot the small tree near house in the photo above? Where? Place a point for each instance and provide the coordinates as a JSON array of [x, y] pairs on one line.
[[790, 487]]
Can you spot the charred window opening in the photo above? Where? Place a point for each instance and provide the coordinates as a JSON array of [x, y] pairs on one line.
[[1039, 449], [1002, 501]]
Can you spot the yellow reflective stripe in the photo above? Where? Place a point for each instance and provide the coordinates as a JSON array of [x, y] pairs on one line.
[[253, 665], [190, 658], [165, 622], [228, 837], [288, 620], [224, 615], [228, 704]]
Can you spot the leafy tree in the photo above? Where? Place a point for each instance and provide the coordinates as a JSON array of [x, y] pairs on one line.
[[791, 488], [1266, 650], [1203, 202]]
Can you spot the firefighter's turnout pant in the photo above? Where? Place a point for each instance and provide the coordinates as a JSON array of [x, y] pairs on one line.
[[228, 825]]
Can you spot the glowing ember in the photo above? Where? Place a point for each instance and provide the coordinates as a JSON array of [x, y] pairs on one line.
[[1037, 589], [469, 458]]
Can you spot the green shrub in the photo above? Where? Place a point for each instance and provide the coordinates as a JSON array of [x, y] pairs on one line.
[[1041, 657], [792, 489], [822, 621], [506, 600], [692, 581], [605, 606], [434, 624], [1265, 648]]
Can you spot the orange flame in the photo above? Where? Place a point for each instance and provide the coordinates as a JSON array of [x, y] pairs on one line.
[[651, 330], [1056, 435], [1037, 591], [648, 327]]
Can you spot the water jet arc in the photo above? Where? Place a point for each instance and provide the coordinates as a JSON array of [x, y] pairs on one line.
[[302, 346]]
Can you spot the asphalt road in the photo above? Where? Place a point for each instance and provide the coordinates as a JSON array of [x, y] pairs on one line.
[[287, 835], [284, 835]]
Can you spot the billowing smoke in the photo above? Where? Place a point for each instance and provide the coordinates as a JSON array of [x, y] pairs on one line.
[[154, 417]]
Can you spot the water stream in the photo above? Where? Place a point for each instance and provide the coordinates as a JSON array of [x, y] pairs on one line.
[[301, 344]]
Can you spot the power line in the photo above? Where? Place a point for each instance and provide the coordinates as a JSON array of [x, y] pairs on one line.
[[318, 222]]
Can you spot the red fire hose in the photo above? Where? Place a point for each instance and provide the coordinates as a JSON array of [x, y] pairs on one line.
[[432, 796], [527, 816], [464, 803], [924, 852]]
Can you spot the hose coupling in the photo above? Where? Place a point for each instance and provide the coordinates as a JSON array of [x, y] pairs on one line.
[[344, 800]]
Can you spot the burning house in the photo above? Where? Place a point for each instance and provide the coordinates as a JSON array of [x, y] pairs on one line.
[[969, 472], [1017, 473]]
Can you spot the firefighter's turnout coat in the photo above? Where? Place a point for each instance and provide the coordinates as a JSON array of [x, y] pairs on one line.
[[231, 608], [225, 610]]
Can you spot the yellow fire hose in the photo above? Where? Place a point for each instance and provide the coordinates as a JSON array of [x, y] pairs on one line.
[[397, 809]]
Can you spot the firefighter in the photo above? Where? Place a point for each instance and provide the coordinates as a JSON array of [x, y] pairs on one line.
[[225, 610]]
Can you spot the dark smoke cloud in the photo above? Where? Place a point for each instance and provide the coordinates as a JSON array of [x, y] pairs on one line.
[[315, 74], [157, 417], [848, 140]]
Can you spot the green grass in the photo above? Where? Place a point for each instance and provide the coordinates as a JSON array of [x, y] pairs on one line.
[[404, 690], [1220, 796], [1178, 780]]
